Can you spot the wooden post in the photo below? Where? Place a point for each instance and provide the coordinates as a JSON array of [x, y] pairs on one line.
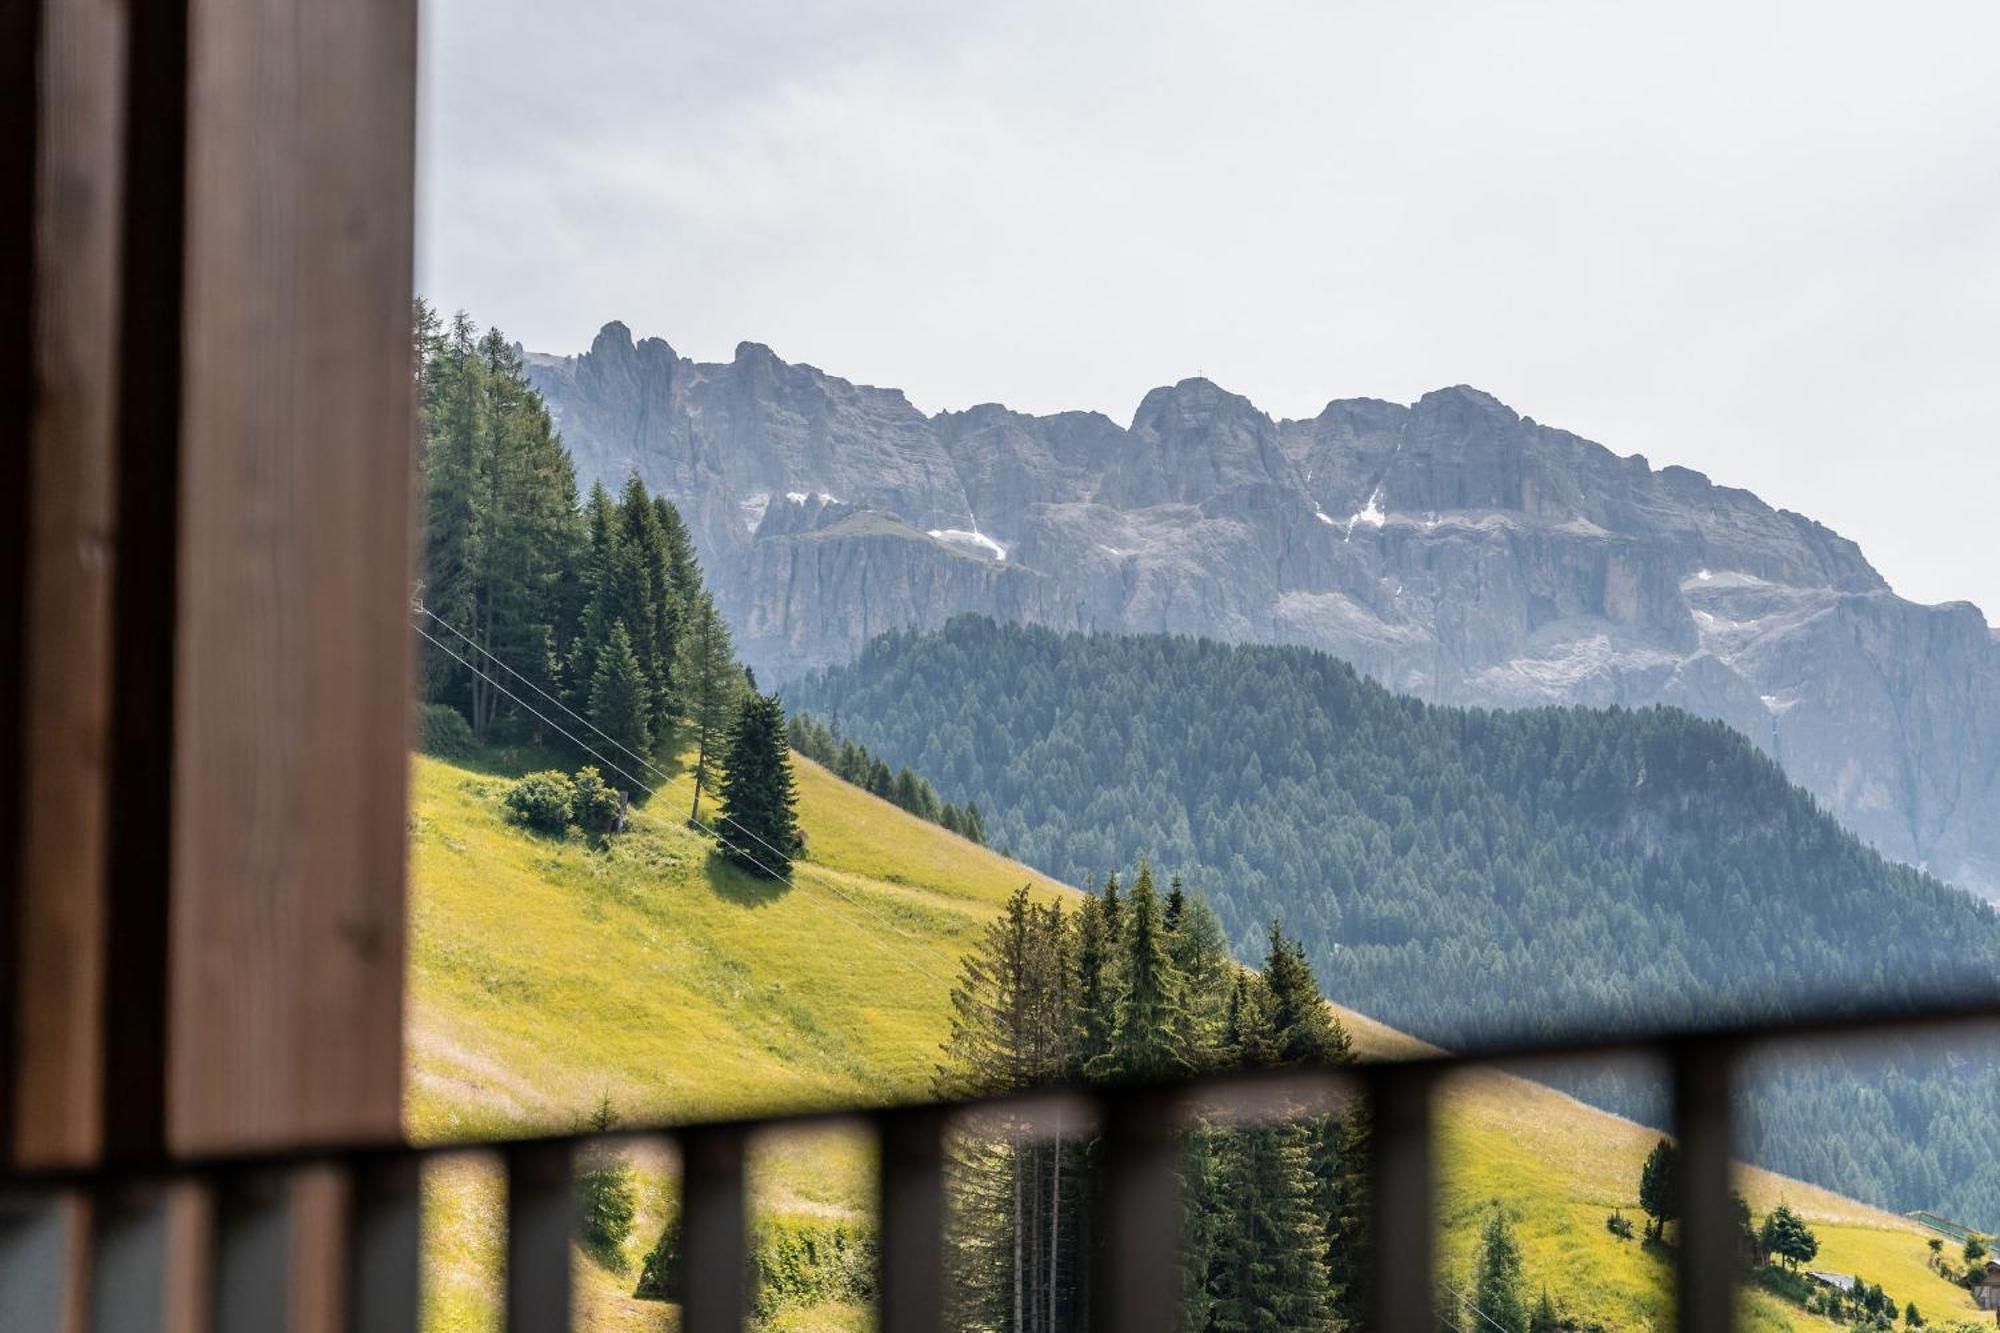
[[205, 463], [292, 659]]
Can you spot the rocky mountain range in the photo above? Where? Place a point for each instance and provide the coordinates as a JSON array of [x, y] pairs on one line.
[[1449, 547]]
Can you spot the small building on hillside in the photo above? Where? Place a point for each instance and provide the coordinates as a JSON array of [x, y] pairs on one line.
[[1840, 1282], [1986, 1291]]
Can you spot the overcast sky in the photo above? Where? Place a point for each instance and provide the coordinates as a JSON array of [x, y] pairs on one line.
[[1758, 240]]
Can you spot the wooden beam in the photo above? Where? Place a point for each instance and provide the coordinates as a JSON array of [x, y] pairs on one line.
[[64, 794], [292, 666]]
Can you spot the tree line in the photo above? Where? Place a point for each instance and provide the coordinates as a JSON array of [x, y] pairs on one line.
[[851, 762], [1469, 875], [1134, 986]]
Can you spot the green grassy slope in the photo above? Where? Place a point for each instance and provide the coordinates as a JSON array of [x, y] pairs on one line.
[[547, 973]]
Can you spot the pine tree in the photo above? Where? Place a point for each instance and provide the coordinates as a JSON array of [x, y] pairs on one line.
[[1657, 1188], [1308, 1031], [649, 596], [1270, 1244], [1545, 1318], [1150, 1038], [620, 697], [501, 528], [758, 825], [1094, 985], [1498, 1289], [710, 680], [1016, 1223]]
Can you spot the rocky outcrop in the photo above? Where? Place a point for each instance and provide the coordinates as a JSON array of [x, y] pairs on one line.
[[1448, 547]]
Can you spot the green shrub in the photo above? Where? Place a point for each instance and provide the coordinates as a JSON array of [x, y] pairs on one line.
[[795, 1263], [542, 801], [596, 804], [800, 1262], [443, 731]]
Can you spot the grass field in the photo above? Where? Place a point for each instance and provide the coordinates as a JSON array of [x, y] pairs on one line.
[[547, 973]]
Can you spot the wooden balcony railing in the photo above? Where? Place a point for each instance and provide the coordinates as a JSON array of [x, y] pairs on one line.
[[328, 1238]]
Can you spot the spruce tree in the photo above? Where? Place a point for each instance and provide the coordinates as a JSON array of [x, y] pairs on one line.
[[758, 825], [620, 696], [710, 682], [1545, 1319], [1657, 1188], [1094, 1017], [1015, 1224], [1150, 1038], [1498, 1291], [1270, 1267]]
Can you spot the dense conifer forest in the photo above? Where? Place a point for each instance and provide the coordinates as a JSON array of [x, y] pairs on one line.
[[1468, 875], [1133, 985]]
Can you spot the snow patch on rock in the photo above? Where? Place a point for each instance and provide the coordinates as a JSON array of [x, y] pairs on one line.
[[753, 507], [972, 542], [1370, 514]]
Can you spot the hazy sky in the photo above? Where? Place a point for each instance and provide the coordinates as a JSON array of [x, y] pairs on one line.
[[1758, 240]]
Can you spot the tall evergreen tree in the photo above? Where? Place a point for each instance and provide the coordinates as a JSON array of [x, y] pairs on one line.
[[1499, 1288], [758, 825], [1016, 1230], [620, 696], [1150, 1038], [1270, 1242], [1657, 1190], [501, 527], [710, 682]]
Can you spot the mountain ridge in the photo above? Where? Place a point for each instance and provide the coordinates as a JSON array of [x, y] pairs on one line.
[[1450, 547]]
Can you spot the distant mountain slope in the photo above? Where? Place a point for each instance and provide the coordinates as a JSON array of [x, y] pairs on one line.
[[1466, 875], [545, 974], [1450, 548]]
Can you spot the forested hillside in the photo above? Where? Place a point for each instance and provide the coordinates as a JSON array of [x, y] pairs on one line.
[[1467, 875]]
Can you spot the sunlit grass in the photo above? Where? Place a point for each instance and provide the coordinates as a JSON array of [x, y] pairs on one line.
[[547, 973]]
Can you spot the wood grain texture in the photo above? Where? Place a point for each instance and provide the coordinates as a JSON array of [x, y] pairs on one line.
[[292, 667], [61, 917]]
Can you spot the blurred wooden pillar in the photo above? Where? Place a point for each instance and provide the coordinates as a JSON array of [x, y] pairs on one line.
[[205, 397]]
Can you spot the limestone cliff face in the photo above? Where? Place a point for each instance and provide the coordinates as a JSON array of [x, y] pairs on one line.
[[1449, 547]]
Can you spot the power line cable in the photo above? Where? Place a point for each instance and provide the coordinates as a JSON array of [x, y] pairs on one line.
[[573, 739], [787, 879], [1467, 1303], [497, 661]]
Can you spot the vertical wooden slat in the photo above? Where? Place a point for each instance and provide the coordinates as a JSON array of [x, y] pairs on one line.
[[1401, 1187], [384, 1240], [61, 918], [713, 1232], [193, 1214], [912, 1203], [541, 1221], [319, 1197], [1705, 1258], [1135, 1287], [292, 666], [42, 1264]]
